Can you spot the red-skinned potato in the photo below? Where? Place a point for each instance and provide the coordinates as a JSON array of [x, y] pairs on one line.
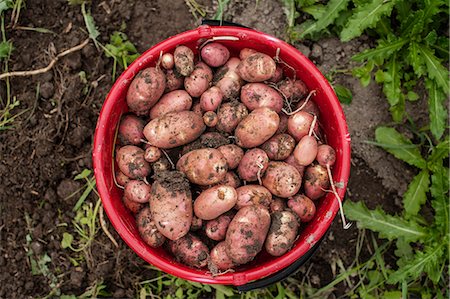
[[310, 107], [254, 162], [231, 179], [196, 107], [316, 181], [147, 228], [184, 60], [138, 191], [145, 90], [131, 162], [257, 127], [220, 261], [257, 67], [253, 195], [257, 95], [216, 229], [121, 178], [152, 154], [282, 233], [171, 204], [190, 250], [303, 207], [279, 147], [210, 119], [230, 115], [174, 81], [282, 128], [196, 224], [227, 79], [204, 167], [282, 179], [245, 52], [306, 150], [291, 161], [246, 233], [215, 54], [174, 101], [167, 61], [277, 205], [215, 201], [278, 76], [326, 155], [131, 205], [130, 130], [232, 153], [299, 125], [174, 129], [211, 99], [199, 80], [293, 90]]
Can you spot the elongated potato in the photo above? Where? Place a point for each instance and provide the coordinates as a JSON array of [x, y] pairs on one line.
[[246, 233], [220, 261], [121, 178], [130, 130], [215, 54], [216, 229], [215, 201], [174, 129], [257, 67], [184, 60], [138, 191], [174, 101], [145, 90], [131, 162], [316, 181], [227, 79], [294, 90], [171, 204], [282, 233], [282, 179], [232, 153], [306, 150], [253, 164], [211, 99], [147, 228], [257, 95], [303, 207], [190, 250], [204, 167], [253, 195], [279, 147], [199, 80], [257, 127]]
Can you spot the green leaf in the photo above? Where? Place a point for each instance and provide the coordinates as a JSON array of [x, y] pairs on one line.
[[436, 108], [227, 291], [5, 49], [66, 241], [5, 5], [344, 94], [427, 261], [315, 10], [404, 251], [333, 8], [435, 69], [398, 110], [440, 203], [399, 146], [415, 59], [366, 16], [83, 175], [288, 7], [383, 51], [90, 24], [431, 38], [389, 227], [391, 86], [416, 195], [412, 96], [439, 153], [392, 295]]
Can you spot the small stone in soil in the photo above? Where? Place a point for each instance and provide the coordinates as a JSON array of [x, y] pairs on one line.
[[67, 187], [317, 53], [47, 90]]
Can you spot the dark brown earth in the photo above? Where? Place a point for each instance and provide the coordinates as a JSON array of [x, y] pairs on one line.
[[51, 143]]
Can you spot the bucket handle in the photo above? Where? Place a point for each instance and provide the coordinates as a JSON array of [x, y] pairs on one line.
[[221, 23]]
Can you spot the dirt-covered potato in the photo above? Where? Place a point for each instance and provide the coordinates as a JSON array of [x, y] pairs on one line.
[[216, 229], [277, 205], [174, 80], [303, 207], [131, 130], [210, 119], [215, 54], [230, 115], [131, 162], [246, 233], [316, 181], [132, 205], [215, 201], [282, 179], [220, 261], [190, 250], [257, 127], [231, 179], [138, 191], [232, 153], [199, 80], [204, 167], [257, 67], [282, 233], [253, 164], [306, 150], [171, 204], [257, 95], [184, 60], [253, 195], [211, 99], [147, 228], [145, 90], [326, 155], [174, 101], [174, 129], [293, 90], [279, 147], [227, 79], [152, 154], [121, 178]]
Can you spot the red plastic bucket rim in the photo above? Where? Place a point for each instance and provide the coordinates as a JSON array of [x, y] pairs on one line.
[[101, 154]]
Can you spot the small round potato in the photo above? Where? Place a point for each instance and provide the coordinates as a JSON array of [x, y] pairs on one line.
[[210, 119], [253, 195], [253, 164], [121, 178], [316, 181], [282, 179], [232, 153], [211, 99], [131, 130], [215, 201], [131, 162], [174, 81], [326, 155], [167, 61], [215, 54], [137, 191], [230, 115], [199, 80], [152, 154], [257, 67], [282, 233], [257, 127], [299, 125], [257, 95], [216, 229], [294, 90], [190, 250], [303, 207], [220, 259], [147, 228], [279, 147], [174, 101]]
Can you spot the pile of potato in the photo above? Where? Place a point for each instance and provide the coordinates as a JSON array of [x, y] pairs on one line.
[[221, 158]]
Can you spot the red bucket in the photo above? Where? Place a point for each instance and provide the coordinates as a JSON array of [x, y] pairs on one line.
[[334, 126]]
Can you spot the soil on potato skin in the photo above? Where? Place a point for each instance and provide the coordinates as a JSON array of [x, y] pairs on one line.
[[52, 140]]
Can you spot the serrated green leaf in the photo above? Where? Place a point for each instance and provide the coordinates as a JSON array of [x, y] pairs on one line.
[[391, 84], [398, 110], [415, 196], [415, 59], [439, 153], [435, 69], [439, 191], [383, 51], [392, 141], [404, 251], [315, 10], [333, 8], [431, 38], [344, 94], [436, 108], [379, 76], [366, 16], [389, 227], [427, 261]]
